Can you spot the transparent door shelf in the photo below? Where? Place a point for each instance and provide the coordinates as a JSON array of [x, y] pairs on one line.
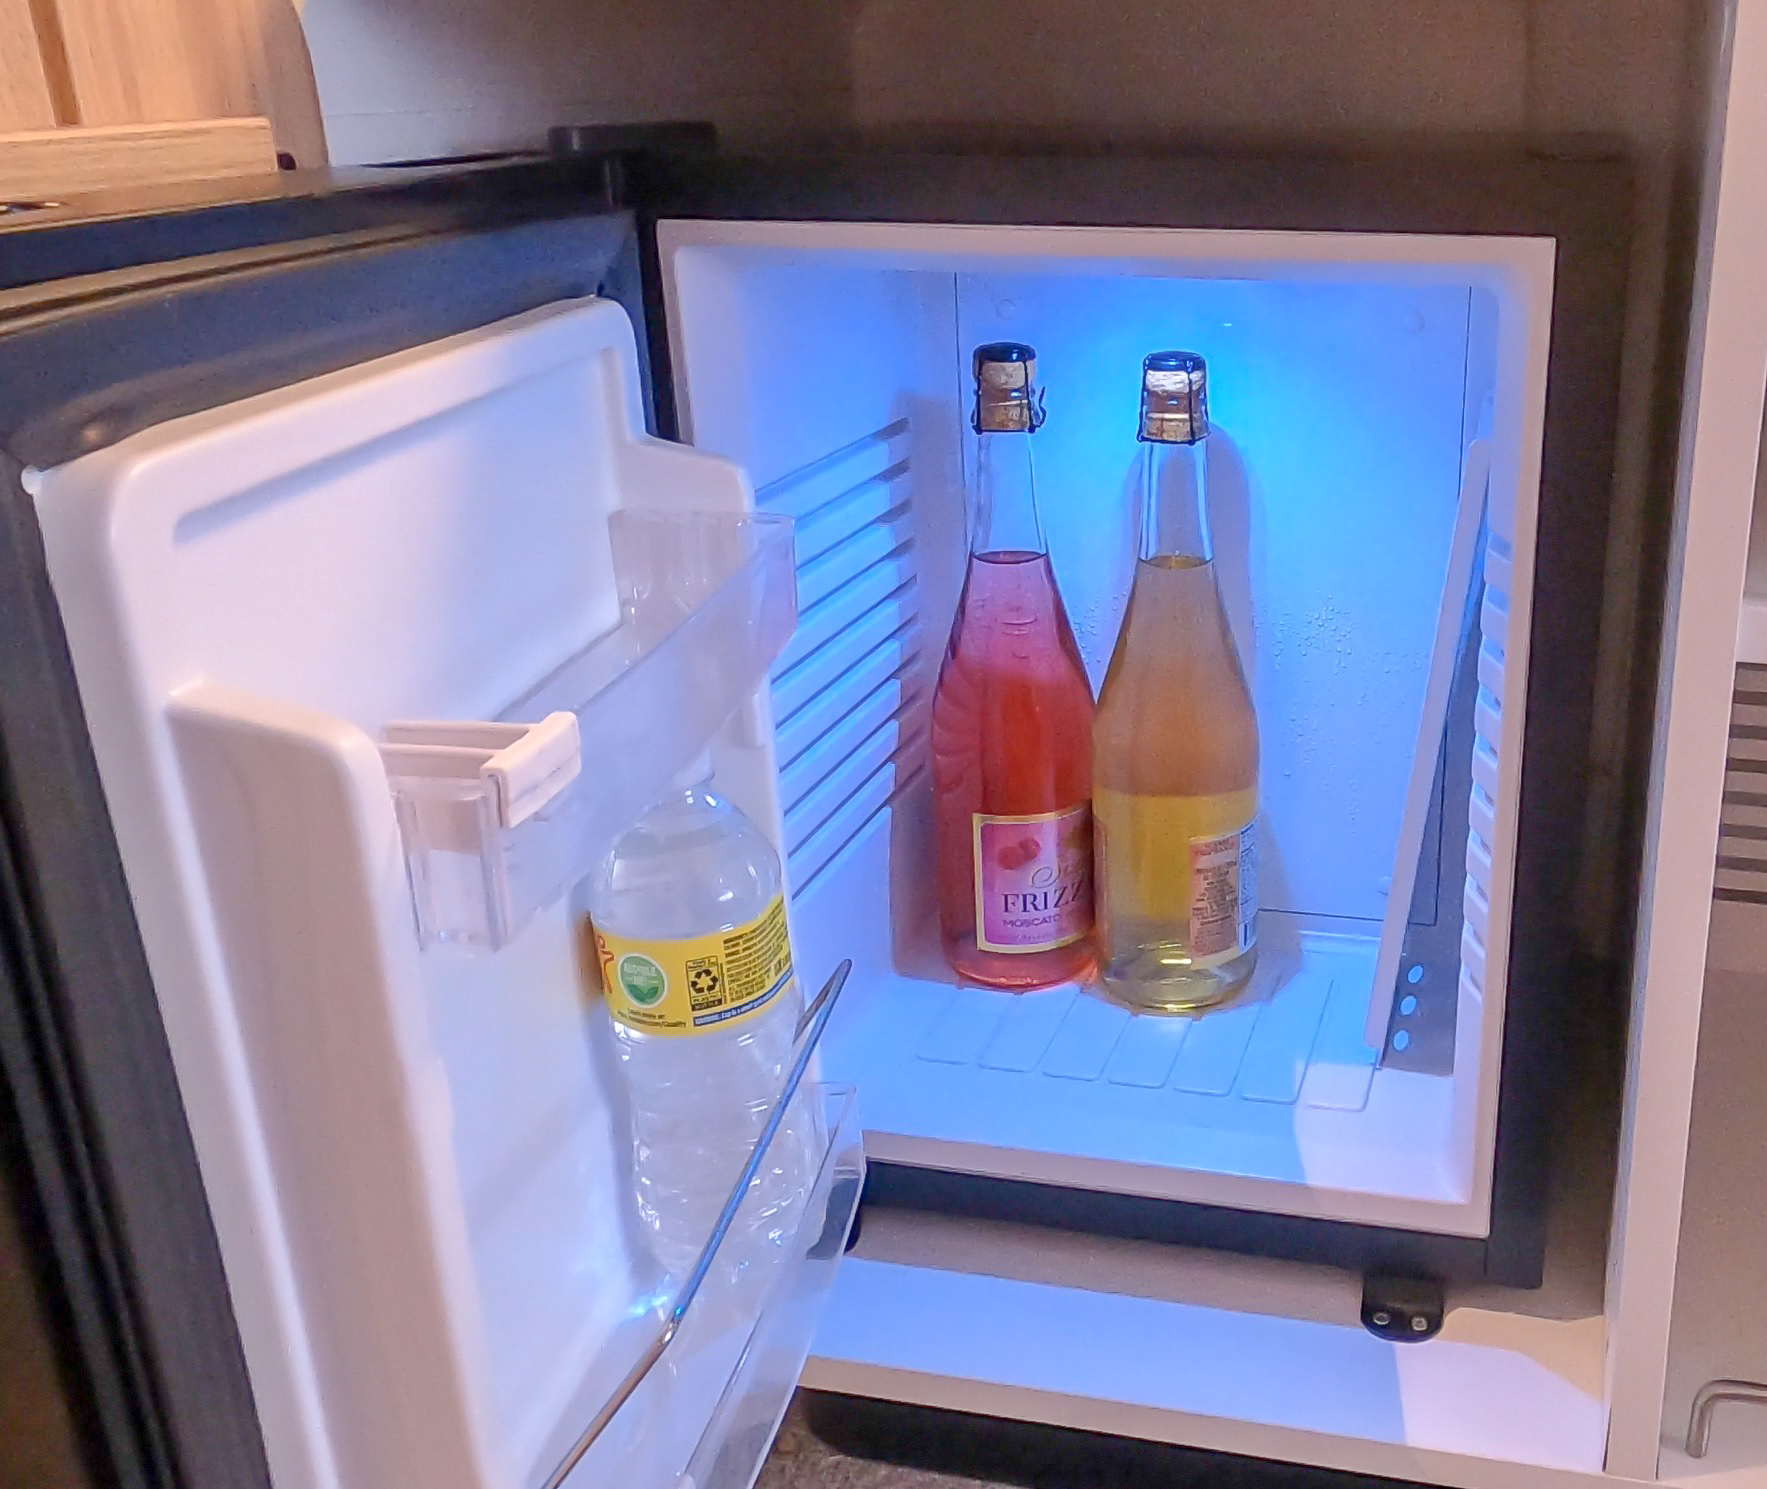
[[705, 1409], [736, 1441], [500, 818], [718, 1352]]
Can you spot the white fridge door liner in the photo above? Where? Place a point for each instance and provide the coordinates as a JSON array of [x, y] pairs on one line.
[[415, 1160]]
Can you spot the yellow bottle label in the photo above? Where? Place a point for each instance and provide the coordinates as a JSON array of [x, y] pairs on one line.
[[1183, 867], [693, 984]]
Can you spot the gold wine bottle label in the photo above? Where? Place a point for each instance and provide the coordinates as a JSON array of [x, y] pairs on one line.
[[1223, 895], [693, 984], [1184, 867]]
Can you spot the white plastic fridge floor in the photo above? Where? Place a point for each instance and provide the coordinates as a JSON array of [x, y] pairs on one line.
[[1272, 1103]]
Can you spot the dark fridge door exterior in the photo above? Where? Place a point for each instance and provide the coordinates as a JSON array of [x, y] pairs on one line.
[[109, 325]]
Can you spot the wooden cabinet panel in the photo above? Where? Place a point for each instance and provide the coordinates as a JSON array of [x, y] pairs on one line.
[[130, 62], [96, 63], [256, 62], [76, 158], [25, 101]]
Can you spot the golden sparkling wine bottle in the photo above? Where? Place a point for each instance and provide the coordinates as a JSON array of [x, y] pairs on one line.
[[1175, 740]]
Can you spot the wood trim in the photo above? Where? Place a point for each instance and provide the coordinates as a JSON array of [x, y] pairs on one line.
[[263, 68], [130, 62], [105, 62], [66, 162], [25, 98]]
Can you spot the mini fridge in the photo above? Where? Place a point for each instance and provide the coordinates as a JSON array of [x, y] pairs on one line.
[[378, 549]]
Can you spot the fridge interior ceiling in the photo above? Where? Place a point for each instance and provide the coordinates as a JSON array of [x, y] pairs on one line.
[[416, 1161], [1349, 375]]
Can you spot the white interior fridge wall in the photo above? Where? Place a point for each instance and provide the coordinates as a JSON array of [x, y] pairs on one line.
[[1348, 373], [416, 1162]]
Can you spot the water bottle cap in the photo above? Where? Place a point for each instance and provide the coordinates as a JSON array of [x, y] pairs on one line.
[[697, 773]]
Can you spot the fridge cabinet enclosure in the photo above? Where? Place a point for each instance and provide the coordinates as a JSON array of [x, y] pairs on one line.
[[1376, 402], [375, 663]]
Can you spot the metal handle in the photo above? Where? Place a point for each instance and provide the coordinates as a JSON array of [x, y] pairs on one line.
[[808, 1034], [1705, 1402]]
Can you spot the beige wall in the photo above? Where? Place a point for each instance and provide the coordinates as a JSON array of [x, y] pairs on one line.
[[1286, 66], [1293, 67], [403, 79]]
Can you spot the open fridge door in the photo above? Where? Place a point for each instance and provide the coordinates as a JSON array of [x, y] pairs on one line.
[[375, 664]]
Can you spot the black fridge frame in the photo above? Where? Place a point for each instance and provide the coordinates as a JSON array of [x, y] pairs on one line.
[[1579, 196]]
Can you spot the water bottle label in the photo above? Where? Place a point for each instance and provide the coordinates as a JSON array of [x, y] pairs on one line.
[[1033, 880], [688, 985]]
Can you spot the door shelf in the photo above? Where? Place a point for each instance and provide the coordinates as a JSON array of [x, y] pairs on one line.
[[736, 1440], [498, 819], [729, 1343], [706, 1409]]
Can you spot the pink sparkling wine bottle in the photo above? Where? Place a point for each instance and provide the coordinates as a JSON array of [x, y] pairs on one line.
[[1012, 723]]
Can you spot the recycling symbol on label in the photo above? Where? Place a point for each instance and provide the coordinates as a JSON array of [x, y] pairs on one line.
[[704, 981]]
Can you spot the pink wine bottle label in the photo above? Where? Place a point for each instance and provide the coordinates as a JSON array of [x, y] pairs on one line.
[[1033, 880]]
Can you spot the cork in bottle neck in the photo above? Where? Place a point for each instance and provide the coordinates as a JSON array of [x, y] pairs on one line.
[[1174, 398], [1008, 400]]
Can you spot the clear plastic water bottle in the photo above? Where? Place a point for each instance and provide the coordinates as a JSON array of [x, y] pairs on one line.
[[689, 928]]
